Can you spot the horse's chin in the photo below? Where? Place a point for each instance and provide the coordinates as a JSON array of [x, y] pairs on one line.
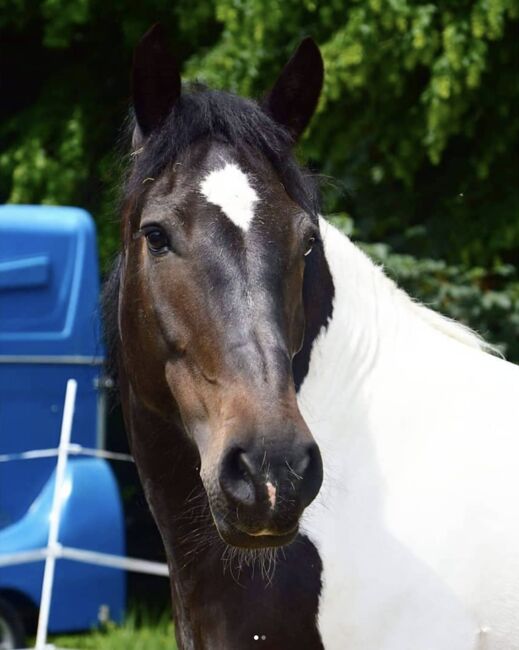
[[239, 538]]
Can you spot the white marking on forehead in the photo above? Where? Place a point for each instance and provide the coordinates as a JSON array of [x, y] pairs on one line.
[[230, 189]]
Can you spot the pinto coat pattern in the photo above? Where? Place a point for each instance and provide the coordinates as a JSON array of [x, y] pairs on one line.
[[416, 521], [330, 464]]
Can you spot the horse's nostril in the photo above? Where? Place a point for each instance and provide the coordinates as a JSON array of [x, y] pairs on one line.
[[246, 465], [310, 471], [301, 466], [237, 477]]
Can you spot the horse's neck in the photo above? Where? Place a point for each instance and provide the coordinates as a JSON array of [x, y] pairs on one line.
[[207, 582], [373, 341], [416, 427], [367, 323], [168, 470], [386, 376]]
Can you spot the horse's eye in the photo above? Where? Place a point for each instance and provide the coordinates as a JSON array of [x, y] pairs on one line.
[[157, 240], [310, 242]]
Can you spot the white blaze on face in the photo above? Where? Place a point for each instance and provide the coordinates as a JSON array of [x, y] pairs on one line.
[[229, 188]]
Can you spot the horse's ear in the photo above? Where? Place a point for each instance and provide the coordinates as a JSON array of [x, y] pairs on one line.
[[155, 80], [293, 98]]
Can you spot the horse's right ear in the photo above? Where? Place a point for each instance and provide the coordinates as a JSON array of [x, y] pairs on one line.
[[155, 80], [293, 98]]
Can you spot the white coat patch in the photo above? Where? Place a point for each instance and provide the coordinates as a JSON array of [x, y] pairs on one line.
[[229, 188]]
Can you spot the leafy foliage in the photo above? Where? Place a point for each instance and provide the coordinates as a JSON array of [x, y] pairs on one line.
[[486, 299], [417, 125]]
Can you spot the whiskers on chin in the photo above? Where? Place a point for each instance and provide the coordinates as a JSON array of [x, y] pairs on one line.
[[256, 560], [199, 537]]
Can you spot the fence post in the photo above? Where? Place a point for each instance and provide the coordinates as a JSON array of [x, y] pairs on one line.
[[55, 515]]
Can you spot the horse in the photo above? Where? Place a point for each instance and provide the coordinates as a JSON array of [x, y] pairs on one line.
[[330, 463]]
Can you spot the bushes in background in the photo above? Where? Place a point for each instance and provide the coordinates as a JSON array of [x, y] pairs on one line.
[[416, 135]]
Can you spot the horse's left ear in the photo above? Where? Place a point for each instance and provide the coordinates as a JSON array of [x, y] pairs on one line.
[[155, 80], [293, 98]]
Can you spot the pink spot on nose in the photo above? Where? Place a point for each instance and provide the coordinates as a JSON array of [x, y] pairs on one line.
[[271, 491]]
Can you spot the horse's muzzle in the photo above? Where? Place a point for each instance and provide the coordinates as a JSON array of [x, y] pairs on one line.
[[262, 494]]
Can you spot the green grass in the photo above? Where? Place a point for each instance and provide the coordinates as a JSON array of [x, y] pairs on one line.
[[140, 631]]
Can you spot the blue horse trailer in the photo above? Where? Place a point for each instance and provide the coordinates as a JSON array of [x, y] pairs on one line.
[[50, 331]]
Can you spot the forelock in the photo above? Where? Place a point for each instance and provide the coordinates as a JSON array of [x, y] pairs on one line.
[[204, 114]]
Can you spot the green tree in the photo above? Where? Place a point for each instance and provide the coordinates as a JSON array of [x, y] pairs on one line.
[[416, 135]]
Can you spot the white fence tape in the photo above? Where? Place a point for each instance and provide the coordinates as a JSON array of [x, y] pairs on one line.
[[54, 550], [23, 557], [89, 557], [73, 449], [115, 561]]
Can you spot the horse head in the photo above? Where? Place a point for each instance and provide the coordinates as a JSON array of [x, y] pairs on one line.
[[220, 244]]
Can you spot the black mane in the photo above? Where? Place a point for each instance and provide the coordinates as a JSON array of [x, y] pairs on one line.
[[202, 113]]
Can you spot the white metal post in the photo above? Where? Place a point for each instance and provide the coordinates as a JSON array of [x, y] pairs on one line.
[[55, 515]]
